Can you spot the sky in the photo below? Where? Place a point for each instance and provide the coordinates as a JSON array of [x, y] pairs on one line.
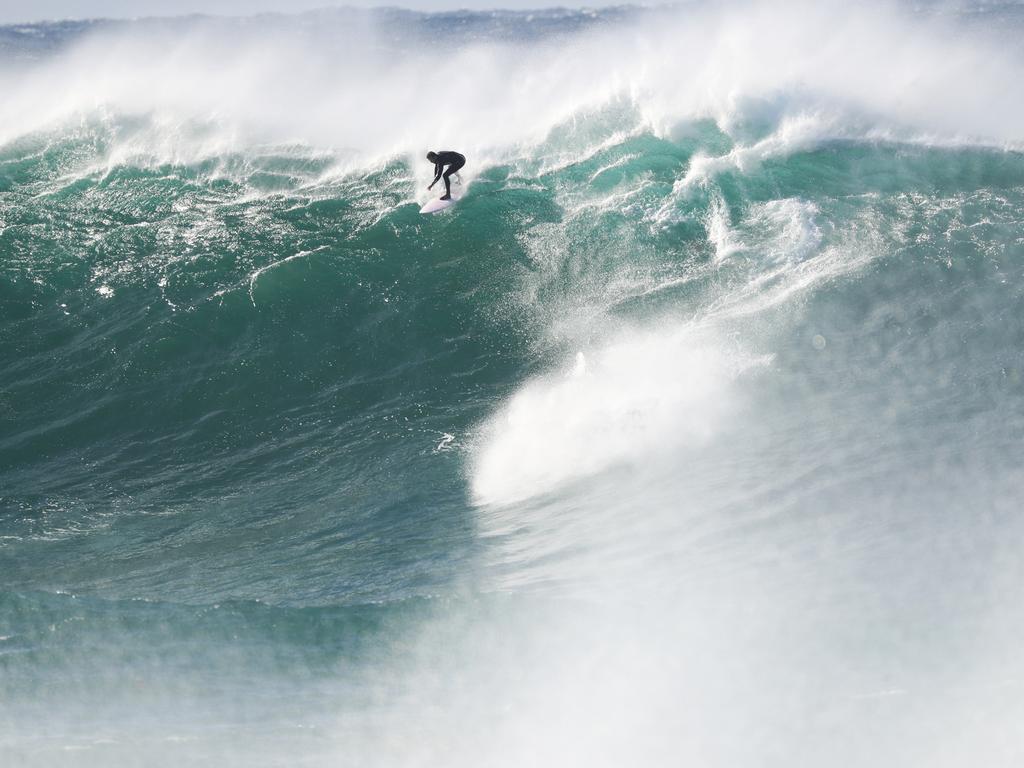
[[21, 11]]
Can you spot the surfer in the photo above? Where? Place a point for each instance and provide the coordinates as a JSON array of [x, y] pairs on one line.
[[453, 160]]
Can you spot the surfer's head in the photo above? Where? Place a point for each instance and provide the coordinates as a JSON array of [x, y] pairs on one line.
[[432, 157]]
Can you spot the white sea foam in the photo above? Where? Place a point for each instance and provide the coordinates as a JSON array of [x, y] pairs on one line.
[[640, 393], [776, 78]]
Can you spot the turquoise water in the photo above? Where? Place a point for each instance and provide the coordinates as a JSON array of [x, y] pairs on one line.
[[690, 436]]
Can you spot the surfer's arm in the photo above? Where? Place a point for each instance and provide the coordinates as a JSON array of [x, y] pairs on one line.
[[438, 168]]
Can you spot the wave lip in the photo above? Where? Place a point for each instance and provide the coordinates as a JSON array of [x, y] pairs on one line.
[[816, 71]]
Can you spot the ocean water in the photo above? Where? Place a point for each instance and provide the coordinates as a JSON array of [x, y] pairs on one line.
[[691, 436]]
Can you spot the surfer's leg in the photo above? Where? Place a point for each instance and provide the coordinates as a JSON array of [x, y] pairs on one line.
[[447, 178]]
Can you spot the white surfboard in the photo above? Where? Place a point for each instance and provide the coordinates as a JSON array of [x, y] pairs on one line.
[[437, 205]]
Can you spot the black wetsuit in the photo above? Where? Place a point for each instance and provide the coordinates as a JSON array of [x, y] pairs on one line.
[[454, 161]]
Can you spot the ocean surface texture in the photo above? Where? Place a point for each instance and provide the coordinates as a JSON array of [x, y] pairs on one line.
[[692, 436]]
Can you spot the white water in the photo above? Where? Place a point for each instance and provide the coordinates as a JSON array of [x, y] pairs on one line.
[[778, 78]]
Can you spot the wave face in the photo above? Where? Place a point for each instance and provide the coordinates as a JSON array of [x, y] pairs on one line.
[[690, 436]]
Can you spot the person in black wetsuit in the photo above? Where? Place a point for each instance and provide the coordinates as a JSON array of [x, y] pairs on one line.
[[453, 160]]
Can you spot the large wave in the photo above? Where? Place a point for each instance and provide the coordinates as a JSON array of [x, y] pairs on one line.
[[689, 437]]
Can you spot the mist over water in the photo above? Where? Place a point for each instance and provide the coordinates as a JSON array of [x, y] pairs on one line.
[[690, 436]]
